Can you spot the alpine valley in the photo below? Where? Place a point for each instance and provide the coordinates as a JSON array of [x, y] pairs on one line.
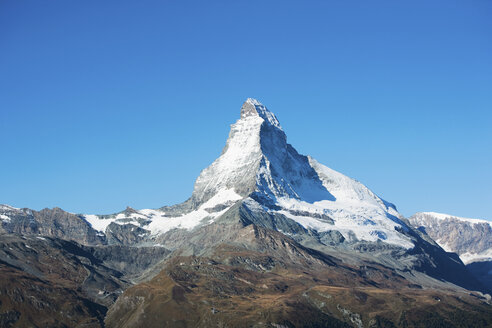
[[268, 238]]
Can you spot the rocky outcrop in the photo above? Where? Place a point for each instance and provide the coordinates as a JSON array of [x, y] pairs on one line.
[[125, 234], [49, 222], [131, 262], [52, 282]]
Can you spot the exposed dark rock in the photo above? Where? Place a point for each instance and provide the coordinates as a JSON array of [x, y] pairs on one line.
[[457, 235], [51, 222], [125, 234]]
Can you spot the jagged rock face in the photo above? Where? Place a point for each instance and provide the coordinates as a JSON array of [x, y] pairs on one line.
[[258, 162], [471, 239], [131, 262], [237, 165], [125, 234], [49, 222]]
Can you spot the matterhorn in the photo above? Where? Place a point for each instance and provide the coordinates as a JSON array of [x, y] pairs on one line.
[[268, 238]]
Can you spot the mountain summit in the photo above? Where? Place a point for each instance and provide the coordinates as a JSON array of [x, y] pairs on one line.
[[253, 107], [257, 164]]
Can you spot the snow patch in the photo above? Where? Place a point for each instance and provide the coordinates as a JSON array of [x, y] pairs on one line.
[[192, 219], [468, 258], [98, 223], [157, 222], [8, 207], [442, 216], [4, 218]]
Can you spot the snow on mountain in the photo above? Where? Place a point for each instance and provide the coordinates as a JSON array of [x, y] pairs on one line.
[[159, 221], [471, 239], [239, 160], [468, 257], [441, 216], [260, 167], [4, 218]]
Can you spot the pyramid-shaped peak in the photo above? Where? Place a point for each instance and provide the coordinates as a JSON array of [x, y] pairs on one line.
[[252, 107], [254, 102]]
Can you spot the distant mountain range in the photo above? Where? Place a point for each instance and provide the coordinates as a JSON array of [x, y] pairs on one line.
[[471, 239], [268, 238]]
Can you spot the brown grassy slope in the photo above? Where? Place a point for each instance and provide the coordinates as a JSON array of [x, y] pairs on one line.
[[46, 282], [26, 301], [267, 280], [199, 292]]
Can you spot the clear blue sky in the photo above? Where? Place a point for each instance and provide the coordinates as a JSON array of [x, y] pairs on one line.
[[105, 104]]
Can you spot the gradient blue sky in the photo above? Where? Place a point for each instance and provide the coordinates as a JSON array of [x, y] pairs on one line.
[[105, 104]]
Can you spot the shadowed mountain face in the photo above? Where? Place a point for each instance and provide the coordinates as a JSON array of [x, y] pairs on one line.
[[268, 238], [471, 239]]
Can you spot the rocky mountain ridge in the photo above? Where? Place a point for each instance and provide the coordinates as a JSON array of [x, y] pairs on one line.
[[471, 239]]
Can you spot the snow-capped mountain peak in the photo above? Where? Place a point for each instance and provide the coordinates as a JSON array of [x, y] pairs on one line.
[[252, 107], [258, 167], [257, 160]]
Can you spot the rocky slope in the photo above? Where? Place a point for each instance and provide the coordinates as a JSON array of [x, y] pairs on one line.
[[53, 283], [260, 278], [50, 282], [471, 239], [49, 222]]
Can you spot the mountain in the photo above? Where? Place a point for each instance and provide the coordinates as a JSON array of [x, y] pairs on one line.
[[471, 239], [261, 170], [268, 238], [257, 277]]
